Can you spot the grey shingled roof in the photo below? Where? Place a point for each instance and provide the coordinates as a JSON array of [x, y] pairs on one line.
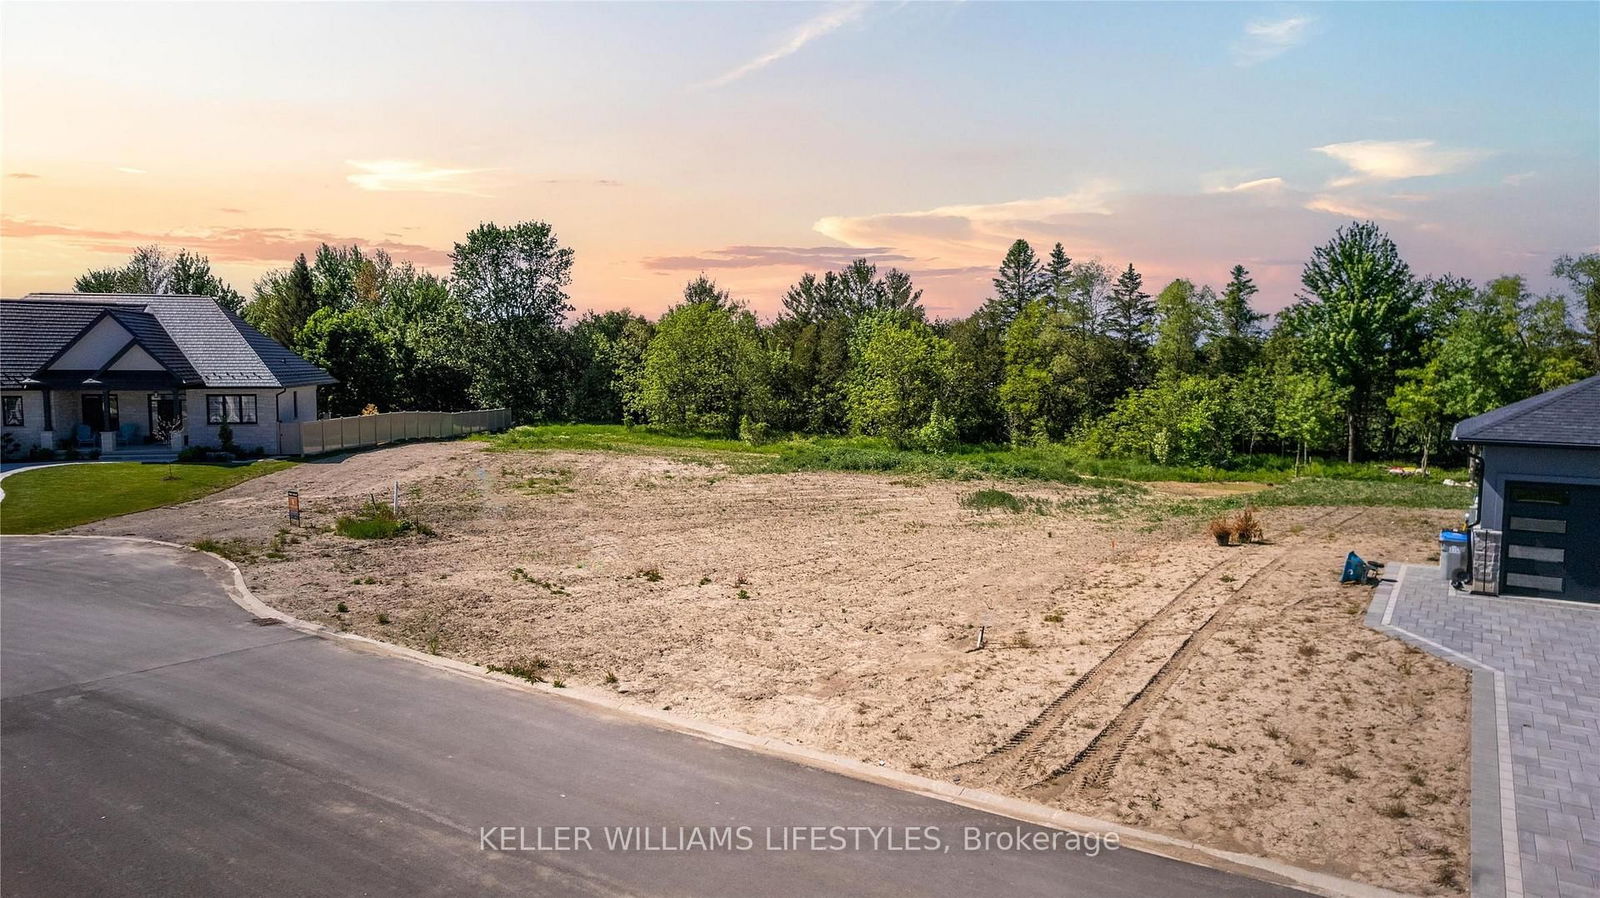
[[200, 342], [1566, 416]]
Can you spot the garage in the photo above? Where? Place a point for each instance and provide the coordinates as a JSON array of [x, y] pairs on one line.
[[1538, 473], [1552, 540]]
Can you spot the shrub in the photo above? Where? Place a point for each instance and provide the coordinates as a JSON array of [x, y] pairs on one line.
[[1178, 421], [1245, 526], [1221, 528], [756, 433], [939, 435]]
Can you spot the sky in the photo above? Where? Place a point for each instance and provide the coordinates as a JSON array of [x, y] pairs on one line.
[[757, 141]]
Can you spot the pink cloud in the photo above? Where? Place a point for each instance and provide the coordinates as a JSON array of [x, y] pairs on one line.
[[805, 257], [219, 244]]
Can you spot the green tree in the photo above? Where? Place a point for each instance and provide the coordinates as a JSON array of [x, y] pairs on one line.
[[1583, 273], [604, 350], [1129, 319], [1055, 374], [352, 346], [897, 378], [1418, 408], [1239, 334], [1360, 318], [705, 370], [151, 271], [704, 291], [1177, 420], [976, 371], [1057, 278], [511, 283], [284, 301], [1019, 282], [1308, 411], [426, 331], [1184, 316]]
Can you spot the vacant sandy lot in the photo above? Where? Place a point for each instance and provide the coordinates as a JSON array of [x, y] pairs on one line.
[[1131, 669]]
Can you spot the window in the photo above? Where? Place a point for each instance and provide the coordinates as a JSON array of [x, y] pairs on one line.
[[13, 411], [1541, 494], [231, 409]]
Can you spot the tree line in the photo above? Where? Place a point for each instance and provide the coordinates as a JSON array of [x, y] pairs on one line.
[[1370, 359]]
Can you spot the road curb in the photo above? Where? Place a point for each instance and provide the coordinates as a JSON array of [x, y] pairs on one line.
[[1017, 809]]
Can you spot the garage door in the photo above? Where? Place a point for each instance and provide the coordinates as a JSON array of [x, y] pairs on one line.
[[1552, 540]]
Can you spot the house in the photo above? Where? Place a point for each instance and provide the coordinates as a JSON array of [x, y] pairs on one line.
[[129, 375], [1539, 487]]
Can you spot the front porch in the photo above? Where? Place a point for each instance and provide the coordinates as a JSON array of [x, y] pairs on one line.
[[113, 422]]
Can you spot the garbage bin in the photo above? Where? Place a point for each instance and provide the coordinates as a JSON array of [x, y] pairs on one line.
[[1454, 556]]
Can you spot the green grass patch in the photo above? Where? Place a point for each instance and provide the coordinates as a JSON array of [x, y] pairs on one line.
[[236, 550], [1113, 480], [52, 498], [377, 521]]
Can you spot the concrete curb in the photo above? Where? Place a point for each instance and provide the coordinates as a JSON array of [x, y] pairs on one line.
[[1496, 864], [1016, 809]]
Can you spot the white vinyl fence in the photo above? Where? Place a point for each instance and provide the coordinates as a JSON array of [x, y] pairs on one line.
[[333, 434]]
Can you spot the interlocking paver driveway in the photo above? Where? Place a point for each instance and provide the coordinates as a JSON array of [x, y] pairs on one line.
[[1549, 656]]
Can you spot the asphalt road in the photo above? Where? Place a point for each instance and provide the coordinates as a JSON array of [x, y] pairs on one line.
[[155, 742]]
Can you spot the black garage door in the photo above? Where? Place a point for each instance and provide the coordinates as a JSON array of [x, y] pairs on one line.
[[1552, 540]]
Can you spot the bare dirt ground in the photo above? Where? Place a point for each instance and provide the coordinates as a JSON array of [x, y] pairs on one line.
[[1132, 669]]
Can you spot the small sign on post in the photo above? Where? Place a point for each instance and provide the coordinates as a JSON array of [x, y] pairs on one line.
[[294, 507]]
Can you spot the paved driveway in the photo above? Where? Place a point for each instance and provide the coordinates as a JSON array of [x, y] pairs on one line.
[[157, 743], [1536, 727]]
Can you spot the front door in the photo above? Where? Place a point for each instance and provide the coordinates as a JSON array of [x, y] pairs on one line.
[[94, 413]]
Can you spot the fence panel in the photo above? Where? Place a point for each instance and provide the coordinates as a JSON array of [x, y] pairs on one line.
[[334, 434]]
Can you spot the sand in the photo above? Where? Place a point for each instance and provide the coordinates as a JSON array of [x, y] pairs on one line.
[[1131, 669]]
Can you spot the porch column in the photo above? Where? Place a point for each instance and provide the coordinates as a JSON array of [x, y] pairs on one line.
[[176, 438], [108, 436], [47, 434]]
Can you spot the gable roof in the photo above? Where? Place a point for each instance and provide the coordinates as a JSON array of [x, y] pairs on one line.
[[1567, 416], [197, 341]]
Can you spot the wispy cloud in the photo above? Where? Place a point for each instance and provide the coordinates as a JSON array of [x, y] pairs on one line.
[[828, 22], [127, 170], [1392, 160], [23, 175], [1517, 179], [967, 234], [411, 176], [1265, 39], [766, 256], [1258, 185], [1347, 207], [220, 244]]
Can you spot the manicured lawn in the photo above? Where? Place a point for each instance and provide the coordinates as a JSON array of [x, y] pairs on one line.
[[50, 498]]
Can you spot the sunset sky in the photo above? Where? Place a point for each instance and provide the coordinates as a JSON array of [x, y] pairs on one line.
[[758, 141]]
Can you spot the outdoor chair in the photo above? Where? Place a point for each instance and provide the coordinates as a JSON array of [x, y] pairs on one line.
[[128, 434], [84, 434]]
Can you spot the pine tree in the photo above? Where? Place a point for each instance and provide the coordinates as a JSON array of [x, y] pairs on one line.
[[1128, 322], [1019, 282], [1239, 334], [1058, 278]]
